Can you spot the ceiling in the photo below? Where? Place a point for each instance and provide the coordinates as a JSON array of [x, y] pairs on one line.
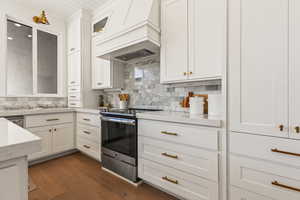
[[63, 8]]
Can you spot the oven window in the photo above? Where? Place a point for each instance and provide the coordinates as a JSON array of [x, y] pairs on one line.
[[119, 137]]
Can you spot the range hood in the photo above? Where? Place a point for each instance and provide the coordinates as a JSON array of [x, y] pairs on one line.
[[130, 30]]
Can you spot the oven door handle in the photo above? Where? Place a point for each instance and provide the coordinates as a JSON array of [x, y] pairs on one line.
[[119, 120]]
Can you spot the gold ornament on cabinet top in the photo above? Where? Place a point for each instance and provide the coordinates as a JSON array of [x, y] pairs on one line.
[[42, 19]]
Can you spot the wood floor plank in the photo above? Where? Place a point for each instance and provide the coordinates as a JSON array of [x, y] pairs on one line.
[[78, 177]]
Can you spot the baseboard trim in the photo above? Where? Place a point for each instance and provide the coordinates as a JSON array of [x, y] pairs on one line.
[[51, 157]]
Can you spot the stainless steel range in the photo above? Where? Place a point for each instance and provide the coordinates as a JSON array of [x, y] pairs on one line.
[[119, 141]]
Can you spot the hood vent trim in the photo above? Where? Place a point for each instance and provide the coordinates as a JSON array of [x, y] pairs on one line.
[[142, 53]]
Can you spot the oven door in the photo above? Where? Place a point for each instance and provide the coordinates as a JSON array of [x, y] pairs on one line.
[[119, 135]]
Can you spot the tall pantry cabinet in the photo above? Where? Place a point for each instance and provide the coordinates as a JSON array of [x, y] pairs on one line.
[[264, 67], [264, 99], [80, 93]]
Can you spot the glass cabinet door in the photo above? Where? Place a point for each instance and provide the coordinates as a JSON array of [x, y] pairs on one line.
[[46, 63], [19, 59]]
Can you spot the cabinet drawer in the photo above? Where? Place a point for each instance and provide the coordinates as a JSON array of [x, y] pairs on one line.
[[239, 194], [89, 132], [89, 119], [74, 104], [90, 148], [179, 183], [48, 120], [266, 178], [74, 96], [285, 151], [196, 136], [196, 161], [73, 89]]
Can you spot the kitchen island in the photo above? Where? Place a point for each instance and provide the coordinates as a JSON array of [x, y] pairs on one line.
[[16, 144]]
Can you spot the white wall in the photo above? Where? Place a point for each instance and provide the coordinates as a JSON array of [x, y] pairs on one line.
[[58, 25]]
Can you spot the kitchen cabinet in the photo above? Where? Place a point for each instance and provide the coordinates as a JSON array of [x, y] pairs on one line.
[[63, 138], [182, 159], [259, 57], [88, 134], [192, 47], [45, 133], [80, 93], [174, 40], [74, 69], [14, 179], [239, 194], [105, 74], [55, 130], [74, 34], [294, 70]]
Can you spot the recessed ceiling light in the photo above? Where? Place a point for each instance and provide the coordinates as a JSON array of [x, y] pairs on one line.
[[30, 36], [10, 38], [18, 25]]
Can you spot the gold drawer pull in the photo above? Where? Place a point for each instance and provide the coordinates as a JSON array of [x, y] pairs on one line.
[[169, 133], [170, 156], [297, 129], [86, 146], [50, 120], [276, 183], [170, 180], [285, 152], [85, 119], [281, 127], [86, 132]]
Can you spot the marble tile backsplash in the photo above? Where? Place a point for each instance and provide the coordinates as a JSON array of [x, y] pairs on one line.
[[17, 103], [142, 83]]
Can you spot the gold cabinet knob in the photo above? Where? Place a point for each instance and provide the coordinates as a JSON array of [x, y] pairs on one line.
[[281, 127], [184, 73], [297, 129], [191, 73]]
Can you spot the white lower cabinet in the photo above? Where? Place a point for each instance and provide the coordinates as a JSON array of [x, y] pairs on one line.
[[239, 194], [55, 130], [265, 165], [14, 179], [89, 134], [63, 138], [180, 159], [45, 133], [177, 182]]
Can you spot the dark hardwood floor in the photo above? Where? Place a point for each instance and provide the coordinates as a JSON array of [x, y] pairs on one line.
[[77, 177]]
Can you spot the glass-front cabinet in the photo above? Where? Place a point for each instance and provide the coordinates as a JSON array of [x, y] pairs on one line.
[[32, 61]]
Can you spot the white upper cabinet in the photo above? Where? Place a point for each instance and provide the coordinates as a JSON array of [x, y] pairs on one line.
[[105, 74], [74, 69], [174, 39], [193, 40], [101, 75], [74, 35], [295, 69], [258, 66], [207, 38]]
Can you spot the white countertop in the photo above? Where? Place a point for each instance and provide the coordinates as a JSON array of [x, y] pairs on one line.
[[182, 117], [16, 142], [35, 111]]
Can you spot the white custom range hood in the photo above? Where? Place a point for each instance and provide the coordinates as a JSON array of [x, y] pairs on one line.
[[130, 30]]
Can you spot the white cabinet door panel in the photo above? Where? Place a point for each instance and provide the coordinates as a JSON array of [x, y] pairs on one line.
[[265, 178], [174, 38], [207, 36], [45, 133], [74, 69], [258, 66], [295, 68], [239, 194], [63, 138]]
